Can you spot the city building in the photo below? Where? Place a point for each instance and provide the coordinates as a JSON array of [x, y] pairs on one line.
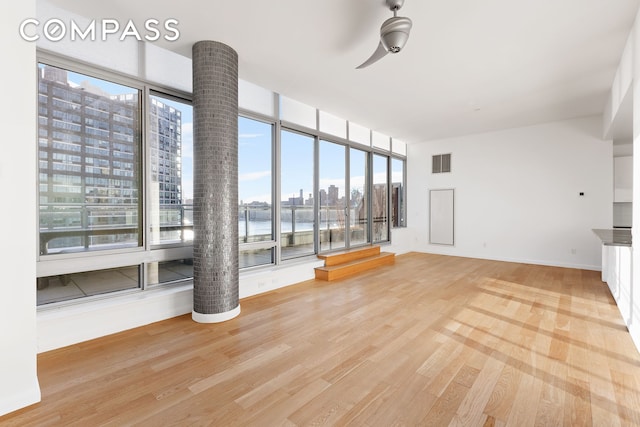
[[88, 147]]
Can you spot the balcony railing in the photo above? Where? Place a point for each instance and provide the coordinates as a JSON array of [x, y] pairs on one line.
[[83, 227]]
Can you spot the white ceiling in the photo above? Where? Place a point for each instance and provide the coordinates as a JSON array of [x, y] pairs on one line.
[[469, 66]]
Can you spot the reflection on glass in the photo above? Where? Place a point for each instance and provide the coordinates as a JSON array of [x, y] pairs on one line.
[[397, 193], [256, 257], [297, 220], [169, 271], [64, 287], [358, 206], [255, 219], [89, 163], [379, 199], [171, 171], [331, 228]]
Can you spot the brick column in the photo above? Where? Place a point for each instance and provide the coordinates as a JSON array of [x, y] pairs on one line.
[[215, 176]]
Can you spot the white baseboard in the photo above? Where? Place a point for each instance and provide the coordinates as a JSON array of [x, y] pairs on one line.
[[215, 317], [547, 263]]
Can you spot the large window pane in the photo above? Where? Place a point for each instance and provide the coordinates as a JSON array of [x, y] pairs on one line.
[[64, 287], [171, 171], [255, 212], [333, 204], [397, 193], [297, 219], [379, 199], [89, 163], [359, 206]]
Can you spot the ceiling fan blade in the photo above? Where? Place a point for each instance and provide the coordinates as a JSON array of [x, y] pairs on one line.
[[378, 54]]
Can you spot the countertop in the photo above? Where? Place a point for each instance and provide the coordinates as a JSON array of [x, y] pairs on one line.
[[614, 236]]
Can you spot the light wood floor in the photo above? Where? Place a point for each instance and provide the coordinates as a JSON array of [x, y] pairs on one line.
[[433, 340]]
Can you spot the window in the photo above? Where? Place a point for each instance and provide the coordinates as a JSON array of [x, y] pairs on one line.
[[170, 185], [92, 191], [62, 287], [332, 197], [359, 197], [297, 220], [398, 213], [107, 227], [83, 205], [379, 198], [255, 192]]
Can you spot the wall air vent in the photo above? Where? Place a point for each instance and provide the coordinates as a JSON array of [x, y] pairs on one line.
[[441, 163]]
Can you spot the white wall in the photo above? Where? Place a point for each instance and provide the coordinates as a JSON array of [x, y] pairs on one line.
[[517, 193], [401, 240], [18, 375]]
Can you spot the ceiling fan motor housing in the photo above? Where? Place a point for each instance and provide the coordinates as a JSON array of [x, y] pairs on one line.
[[394, 33]]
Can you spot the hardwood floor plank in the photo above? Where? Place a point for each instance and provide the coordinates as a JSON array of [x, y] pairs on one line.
[[627, 396], [525, 402], [432, 340], [444, 409], [577, 403], [552, 398], [471, 409]]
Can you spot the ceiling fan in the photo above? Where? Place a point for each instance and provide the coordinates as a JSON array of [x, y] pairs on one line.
[[393, 34]]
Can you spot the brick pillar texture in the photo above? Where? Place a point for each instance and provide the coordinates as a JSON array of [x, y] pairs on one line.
[[215, 176]]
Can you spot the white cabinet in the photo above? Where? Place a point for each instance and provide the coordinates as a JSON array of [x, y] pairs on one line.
[[616, 271], [623, 179]]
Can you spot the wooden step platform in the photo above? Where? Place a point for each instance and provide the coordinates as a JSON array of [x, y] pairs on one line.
[[347, 263]]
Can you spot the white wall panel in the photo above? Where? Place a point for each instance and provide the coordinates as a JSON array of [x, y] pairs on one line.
[[18, 371]]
